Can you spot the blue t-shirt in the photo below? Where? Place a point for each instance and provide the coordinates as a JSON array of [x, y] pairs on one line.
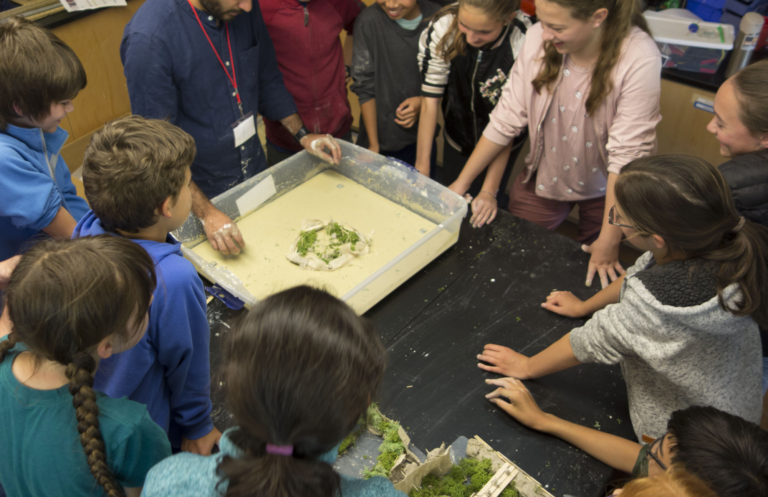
[[40, 450], [191, 475], [173, 73], [30, 193]]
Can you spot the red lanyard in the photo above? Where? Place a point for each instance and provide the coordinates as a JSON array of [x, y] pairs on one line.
[[232, 79]]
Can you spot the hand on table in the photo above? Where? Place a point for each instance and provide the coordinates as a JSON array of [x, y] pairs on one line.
[[6, 268], [565, 304], [316, 144], [484, 209], [604, 261], [222, 233], [512, 396], [504, 361], [203, 445], [408, 112]]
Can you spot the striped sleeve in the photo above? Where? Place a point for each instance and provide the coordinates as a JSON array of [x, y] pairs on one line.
[[434, 69]]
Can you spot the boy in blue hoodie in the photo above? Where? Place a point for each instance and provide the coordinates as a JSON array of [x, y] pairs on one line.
[[40, 77], [136, 174]]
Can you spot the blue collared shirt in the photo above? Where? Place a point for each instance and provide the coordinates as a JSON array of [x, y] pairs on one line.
[[173, 73]]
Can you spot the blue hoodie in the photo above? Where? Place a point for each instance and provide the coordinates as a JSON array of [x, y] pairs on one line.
[[30, 196], [169, 370]]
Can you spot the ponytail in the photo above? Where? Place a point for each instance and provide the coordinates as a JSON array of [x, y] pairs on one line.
[[686, 201], [622, 15], [454, 43], [319, 364], [742, 259], [269, 475], [80, 373]]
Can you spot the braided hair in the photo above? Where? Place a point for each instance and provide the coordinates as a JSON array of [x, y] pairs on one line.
[[64, 298]]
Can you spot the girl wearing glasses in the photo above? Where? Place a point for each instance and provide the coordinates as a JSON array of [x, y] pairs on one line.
[[683, 322]]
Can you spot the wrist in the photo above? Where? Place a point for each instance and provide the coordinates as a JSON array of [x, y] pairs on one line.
[[547, 423], [301, 134]]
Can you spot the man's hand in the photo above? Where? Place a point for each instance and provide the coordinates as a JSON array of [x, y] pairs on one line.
[[202, 446], [565, 304], [408, 112], [505, 361], [222, 232], [316, 144], [604, 261], [6, 268], [517, 401]]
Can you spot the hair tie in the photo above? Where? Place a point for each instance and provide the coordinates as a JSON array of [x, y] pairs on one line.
[[280, 450], [739, 226]]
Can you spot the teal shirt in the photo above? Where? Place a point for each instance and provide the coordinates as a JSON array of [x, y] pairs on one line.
[[40, 451], [191, 475]]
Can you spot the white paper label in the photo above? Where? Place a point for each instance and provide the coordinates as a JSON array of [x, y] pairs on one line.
[[244, 129], [256, 196]]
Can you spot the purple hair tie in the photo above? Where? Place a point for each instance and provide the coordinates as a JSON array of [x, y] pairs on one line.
[[280, 450]]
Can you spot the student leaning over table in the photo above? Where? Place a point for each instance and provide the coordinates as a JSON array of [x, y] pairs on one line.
[[683, 322], [586, 86]]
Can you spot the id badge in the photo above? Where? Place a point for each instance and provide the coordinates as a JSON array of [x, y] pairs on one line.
[[244, 129]]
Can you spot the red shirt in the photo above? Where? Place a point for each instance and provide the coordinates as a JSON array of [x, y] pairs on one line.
[[311, 59]]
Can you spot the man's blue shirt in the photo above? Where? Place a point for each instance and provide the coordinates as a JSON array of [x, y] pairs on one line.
[[173, 73]]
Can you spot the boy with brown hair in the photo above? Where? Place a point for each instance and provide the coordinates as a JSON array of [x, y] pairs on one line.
[[137, 178], [40, 77]]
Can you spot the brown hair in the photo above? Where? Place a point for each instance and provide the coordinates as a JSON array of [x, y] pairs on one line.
[[686, 201], [66, 296], [751, 85], [675, 482], [38, 70], [317, 367], [131, 166], [622, 15], [454, 42]]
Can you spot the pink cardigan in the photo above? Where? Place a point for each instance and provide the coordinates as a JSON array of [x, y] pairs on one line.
[[624, 123]]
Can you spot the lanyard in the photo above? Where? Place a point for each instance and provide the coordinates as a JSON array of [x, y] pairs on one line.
[[232, 79]]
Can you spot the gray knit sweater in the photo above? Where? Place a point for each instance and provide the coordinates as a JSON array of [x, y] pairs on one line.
[[676, 345]]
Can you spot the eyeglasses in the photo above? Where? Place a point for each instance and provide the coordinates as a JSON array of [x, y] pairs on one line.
[[612, 219], [653, 448]]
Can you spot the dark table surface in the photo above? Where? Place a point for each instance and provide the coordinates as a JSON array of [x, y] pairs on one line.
[[486, 289]]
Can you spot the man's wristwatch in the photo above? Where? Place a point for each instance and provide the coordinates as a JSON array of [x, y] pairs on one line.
[[301, 133]]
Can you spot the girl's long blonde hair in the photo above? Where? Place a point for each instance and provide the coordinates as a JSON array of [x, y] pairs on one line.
[[454, 42], [622, 15]]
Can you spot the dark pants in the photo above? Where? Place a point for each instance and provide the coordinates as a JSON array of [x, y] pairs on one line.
[[274, 155], [453, 163]]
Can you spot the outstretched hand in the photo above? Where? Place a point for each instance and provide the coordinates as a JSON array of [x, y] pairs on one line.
[[484, 209], [604, 261], [565, 304], [517, 401], [504, 361]]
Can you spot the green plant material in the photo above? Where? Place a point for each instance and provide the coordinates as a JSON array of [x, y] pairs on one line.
[[597, 425], [307, 240], [464, 479], [391, 447]]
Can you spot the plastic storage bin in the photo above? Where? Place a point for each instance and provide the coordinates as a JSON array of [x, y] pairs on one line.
[[708, 10], [701, 49], [402, 185]]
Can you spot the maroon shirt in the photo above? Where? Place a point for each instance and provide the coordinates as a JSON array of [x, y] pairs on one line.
[[310, 56]]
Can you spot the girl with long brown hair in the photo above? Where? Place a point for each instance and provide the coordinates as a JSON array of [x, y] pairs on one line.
[[586, 87], [72, 303], [684, 320], [299, 371]]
